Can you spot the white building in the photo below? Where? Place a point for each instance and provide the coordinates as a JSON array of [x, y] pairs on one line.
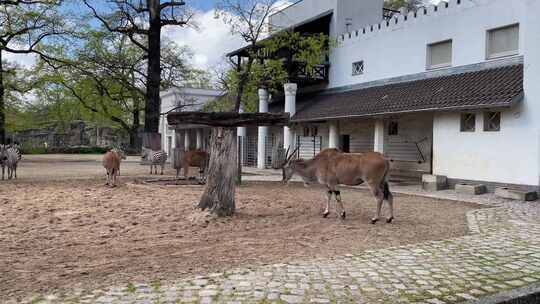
[[184, 99], [450, 90]]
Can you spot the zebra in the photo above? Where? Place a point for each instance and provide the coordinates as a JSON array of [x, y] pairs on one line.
[[10, 157], [155, 158]]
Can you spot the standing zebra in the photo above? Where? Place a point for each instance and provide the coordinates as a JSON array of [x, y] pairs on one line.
[[10, 157], [155, 158]]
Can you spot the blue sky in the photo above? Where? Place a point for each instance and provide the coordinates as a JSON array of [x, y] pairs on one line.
[[203, 5]]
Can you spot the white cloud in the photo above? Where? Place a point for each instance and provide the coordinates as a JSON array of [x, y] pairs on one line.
[[210, 42], [25, 60]]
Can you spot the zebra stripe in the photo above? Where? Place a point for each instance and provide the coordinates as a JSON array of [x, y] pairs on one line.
[[155, 158]]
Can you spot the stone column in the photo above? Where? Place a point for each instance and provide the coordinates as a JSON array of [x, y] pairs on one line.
[[199, 138], [378, 140], [333, 134], [263, 131], [290, 107], [187, 140]]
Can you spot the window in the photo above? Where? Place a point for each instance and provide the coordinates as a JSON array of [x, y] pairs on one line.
[[358, 68], [311, 131], [346, 143], [439, 55], [468, 122], [492, 121], [503, 41], [393, 128]]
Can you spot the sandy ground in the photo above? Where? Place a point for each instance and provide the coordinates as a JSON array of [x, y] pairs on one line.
[[56, 235], [76, 166]]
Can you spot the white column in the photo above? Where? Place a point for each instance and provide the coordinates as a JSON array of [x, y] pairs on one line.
[[241, 131], [186, 140], [263, 131], [290, 107], [333, 135], [199, 138], [174, 138], [378, 140]]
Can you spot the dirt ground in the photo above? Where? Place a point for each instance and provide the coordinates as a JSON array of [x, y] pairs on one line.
[[56, 235]]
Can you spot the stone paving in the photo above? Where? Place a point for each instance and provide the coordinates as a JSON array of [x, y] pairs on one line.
[[501, 253]]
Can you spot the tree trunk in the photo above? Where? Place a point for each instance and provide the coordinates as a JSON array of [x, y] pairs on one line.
[[152, 106], [219, 195], [242, 84], [2, 104], [134, 142]]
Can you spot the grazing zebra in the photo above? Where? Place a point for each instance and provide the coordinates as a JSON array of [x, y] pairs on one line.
[[10, 157], [155, 158]]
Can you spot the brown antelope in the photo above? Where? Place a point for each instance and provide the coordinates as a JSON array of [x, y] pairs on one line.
[[193, 158], [111, 163], [333, 168]]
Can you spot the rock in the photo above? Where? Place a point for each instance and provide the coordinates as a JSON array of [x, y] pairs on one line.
[[434, 182], [471, 189], [520, 195]]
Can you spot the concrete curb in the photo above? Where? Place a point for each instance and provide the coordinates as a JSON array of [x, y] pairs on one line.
[[524, 295]]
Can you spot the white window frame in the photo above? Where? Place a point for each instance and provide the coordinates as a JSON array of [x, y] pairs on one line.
[[429, 66], [501, 54]]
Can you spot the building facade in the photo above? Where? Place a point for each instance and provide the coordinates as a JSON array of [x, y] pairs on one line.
[[448, 90], [184, 99]]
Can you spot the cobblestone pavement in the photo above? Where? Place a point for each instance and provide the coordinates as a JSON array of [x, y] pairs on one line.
[[502, 253]]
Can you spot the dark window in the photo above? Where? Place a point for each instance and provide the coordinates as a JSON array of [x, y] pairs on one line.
[[306, 131], [492, 121], [311, 131], [468, 122], [358, 68], [393, 128], [346, 143]]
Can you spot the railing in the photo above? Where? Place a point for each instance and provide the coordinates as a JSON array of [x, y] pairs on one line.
[[301, 73], [389, 13]]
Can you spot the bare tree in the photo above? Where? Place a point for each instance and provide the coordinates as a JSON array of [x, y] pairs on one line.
[[142, 21], [24, 26], [249, 20]]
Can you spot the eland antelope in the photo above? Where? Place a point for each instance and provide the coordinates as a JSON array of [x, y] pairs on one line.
[[333, 168], [194, 158], [111, 163]]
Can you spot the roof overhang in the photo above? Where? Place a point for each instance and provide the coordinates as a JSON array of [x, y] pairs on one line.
[[243, 51], [500, 87]]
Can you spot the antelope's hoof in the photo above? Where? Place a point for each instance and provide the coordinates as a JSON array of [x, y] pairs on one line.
[[343, 215], [325, 215], [374, 221], [389, 220]]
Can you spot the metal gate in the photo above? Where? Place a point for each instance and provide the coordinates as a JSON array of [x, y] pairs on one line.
[[309, 146]]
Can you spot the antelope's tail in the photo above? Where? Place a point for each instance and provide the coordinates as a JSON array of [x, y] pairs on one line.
[[384, 183]]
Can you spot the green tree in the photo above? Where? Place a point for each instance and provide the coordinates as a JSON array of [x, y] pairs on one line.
[[24, 26], [409, 4], [107, 76], [141, 22]]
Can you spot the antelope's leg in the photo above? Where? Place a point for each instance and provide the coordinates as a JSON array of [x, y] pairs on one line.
[[390, 201], [340, 203], [378, 194], [328, 199]]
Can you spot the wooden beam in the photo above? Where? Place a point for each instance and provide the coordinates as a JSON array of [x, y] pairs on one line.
[[228, 119]]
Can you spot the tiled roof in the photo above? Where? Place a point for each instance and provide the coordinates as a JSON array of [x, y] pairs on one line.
[[490, 88]]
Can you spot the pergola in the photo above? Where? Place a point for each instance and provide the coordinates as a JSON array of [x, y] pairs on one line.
[[223, 169]]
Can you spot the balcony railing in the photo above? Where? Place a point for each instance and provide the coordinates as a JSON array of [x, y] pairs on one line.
[[302, 74]]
